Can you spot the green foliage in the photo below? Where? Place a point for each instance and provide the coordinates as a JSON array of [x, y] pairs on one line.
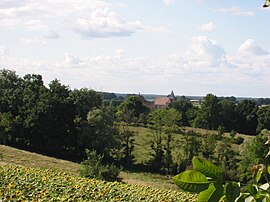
[[209, 116], [134, 105], [100, 132], [93, 167], [192, 181], [247, 121], [207, 180], [183, 106], [163, 122], [263, 118], [252, 153], [85, 100], [207, 168]]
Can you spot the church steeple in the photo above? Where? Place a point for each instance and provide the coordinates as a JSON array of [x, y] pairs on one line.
[[172, 96]]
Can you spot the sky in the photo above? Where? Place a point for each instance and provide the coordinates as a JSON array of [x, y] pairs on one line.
[[193, 47]]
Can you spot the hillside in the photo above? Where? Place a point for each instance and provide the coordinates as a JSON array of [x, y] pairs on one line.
[[47, 176]]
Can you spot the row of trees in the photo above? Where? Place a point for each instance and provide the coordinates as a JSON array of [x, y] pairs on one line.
[[226, 114], [57, 121]]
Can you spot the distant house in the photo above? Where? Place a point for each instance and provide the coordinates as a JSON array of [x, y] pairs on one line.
[[163, 102], [160, 102]]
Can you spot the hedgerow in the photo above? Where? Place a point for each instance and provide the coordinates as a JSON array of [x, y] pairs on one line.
[[19, 183]]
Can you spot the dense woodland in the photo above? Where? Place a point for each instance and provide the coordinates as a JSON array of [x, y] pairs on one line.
[[58, 121]]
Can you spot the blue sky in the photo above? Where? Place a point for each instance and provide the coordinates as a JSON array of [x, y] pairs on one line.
[[193, 47]]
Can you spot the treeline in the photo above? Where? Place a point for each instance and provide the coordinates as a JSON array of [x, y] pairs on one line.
[[53, 120], [226, 114], [58, 121]]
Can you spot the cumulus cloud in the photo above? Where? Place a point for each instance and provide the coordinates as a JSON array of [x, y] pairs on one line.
[[169, 2], [250, 47], [235, 10], [105, 23], [204, 66], [33, 41], [207, 27], [4, 51], [52, 35], [89, 18], [120, 51]]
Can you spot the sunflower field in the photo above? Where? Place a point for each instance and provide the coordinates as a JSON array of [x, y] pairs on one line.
[[19, 183]]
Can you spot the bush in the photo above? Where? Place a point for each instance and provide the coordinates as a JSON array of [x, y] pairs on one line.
[[94, 168], [239, 140]]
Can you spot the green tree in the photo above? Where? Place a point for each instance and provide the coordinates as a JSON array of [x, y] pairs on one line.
[[11, 92], [182, 106], [127, 138], [163, 122], [263, 115], [229, 115], [100, 133], [247, 121], [209, 116], [85, 100], [133, 104], [252, 153]]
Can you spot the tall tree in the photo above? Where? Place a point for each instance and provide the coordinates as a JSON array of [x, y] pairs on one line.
[[100, 133], [134, 105], [263, 115], [183, 106], [247, 122], [163, 122], [209, 116], [229, 115]]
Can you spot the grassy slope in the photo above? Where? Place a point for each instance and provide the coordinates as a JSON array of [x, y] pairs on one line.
[[25, 158], [28, 159]]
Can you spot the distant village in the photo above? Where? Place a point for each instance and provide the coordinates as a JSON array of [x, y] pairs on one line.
[[163, 101]]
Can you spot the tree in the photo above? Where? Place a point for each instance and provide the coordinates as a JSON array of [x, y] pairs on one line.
[[252, 153], [247, 121], [163, 122], [100, 133], [133, 104], [229, 115], [263, 115], [209, 116], [127, 139], [182, 106], [85, 100], [11, 92]]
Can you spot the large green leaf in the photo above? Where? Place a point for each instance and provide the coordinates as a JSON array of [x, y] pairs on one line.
[[207, 168], [232, 191], [244, 197], [192, 181], [212, 194]]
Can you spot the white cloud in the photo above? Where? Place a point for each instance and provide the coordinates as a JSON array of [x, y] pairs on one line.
[[89, 18], [204, 66], [52, 35], [169, 2], [120, 51], [250, 47], [105, 23], [209, 27], [235, 10], [4, 51], [33, 41], [72, 60]]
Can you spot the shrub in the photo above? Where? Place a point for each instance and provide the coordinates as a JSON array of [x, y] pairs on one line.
[[239, 140], [94, 168]]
